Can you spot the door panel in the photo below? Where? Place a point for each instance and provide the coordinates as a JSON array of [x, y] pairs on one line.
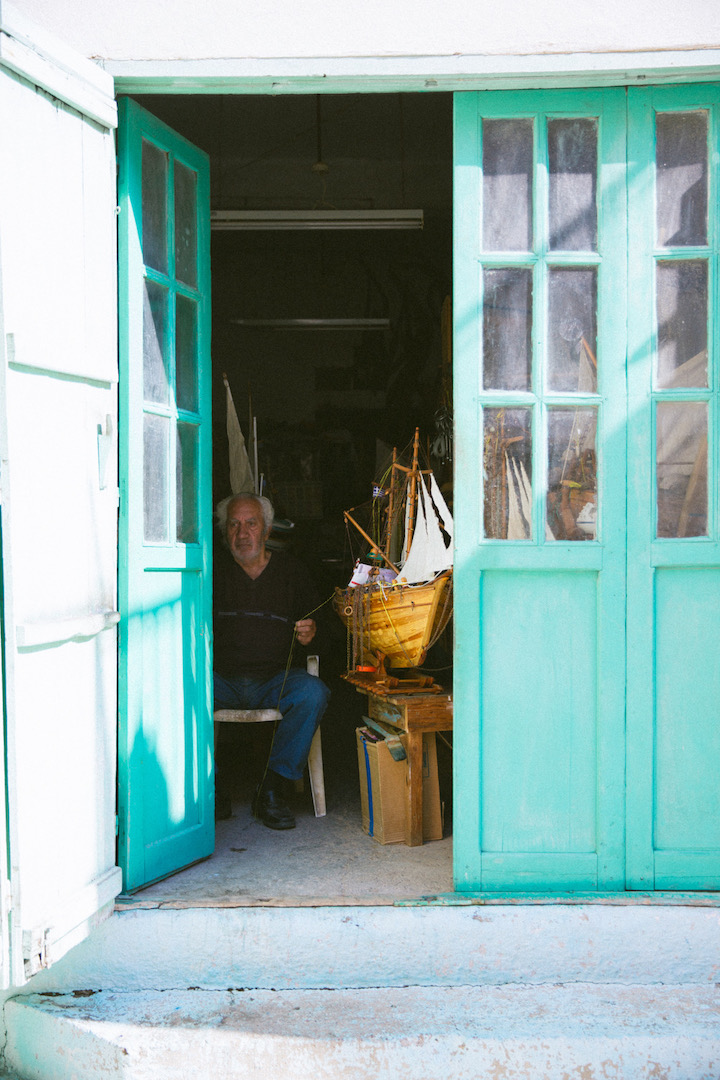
[[539, 722], [687, 740], [166, 815], [540, 554], [673, 538]]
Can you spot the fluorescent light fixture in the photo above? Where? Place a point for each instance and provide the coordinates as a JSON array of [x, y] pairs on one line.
[[316, 219], [313, 324]]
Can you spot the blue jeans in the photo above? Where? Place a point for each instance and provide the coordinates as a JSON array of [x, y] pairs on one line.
[[303, 702]]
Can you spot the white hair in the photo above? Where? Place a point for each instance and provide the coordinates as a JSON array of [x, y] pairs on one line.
[[266, 508]]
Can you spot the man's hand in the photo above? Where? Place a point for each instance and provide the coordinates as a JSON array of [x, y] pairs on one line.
[[305, 630]]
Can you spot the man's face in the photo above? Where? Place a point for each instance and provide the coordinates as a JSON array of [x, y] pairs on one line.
[[245, 531]]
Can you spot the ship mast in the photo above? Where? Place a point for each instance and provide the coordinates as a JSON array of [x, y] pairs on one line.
[[412, 497]]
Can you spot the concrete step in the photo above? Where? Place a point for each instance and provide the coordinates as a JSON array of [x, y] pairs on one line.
[[347, 947], [423, 1032]]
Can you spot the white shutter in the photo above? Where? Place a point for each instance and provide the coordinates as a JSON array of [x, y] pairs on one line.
[[58, 465]]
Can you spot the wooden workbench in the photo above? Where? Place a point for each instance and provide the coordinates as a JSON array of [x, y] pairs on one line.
[[413, 714]]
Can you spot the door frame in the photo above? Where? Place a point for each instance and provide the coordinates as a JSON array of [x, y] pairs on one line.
[[410, 75]]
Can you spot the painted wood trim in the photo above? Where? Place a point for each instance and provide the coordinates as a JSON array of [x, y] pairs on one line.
[[467, 325], [43, 365], [390, 74], [89, 90], [57, 631], [47, 942]]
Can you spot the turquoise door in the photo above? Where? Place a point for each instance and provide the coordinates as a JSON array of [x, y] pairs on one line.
[[587, 692], [673, 716], [540, 407], [165, 801]]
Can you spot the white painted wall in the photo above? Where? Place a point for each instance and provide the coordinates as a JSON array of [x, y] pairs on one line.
[[59, 375], [185, 29]]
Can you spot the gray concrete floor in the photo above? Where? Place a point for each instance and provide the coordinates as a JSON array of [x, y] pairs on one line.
[[328, 860]]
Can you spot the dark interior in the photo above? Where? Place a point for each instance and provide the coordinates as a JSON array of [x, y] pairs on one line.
[[329, 403]]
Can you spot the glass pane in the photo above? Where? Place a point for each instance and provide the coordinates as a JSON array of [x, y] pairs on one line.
[[572, 474], [185, 483], [186, 353], [154, 207], [572, 329], [682, 178], [155, 472], [682, 313], [572, 159], [507, 327], [155, 320], [507, 435], [507, 162], [682, 468], [185, 224]]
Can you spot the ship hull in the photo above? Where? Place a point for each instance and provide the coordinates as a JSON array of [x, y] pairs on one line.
[[397, 621]]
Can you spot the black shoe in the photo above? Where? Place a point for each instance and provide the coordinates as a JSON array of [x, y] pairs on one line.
[[270, 808]]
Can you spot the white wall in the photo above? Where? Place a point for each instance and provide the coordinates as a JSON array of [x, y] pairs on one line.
[[186, 29]]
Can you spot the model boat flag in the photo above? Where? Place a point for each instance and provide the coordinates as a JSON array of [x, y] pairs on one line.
[[241, 474]]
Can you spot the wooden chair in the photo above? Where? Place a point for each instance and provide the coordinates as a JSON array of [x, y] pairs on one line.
[[269, 716]]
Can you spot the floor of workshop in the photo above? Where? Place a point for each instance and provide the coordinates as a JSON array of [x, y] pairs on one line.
[[328, 860]]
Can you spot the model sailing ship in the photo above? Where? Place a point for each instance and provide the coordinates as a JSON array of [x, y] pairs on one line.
[[396, 606]]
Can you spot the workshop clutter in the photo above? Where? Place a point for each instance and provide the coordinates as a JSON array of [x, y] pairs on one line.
[[383, 767]]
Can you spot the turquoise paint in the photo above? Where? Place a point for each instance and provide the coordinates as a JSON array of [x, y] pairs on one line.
[[673, 820], [687, 697], [165, 761], [539, 624], [539, 712]]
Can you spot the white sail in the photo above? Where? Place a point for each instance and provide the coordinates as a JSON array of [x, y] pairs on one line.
[[519, 505], [241, 474], [431, 550], [442, 511]]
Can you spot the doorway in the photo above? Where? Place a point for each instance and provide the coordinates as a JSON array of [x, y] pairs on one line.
[[330, 401]]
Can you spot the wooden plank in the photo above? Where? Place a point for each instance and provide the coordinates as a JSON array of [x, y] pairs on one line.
[[415, 716], [413, 748]]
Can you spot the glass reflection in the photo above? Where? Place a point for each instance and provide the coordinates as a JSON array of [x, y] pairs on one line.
[[155, 471], [572, 329], [155, 320], [154, 207], [185, 224], [185, 483], [186, 389], [682, 468], [507, 328], [682, 313], [507, 162], [682, 178], [572, 474], [572, 160], [507, 455]]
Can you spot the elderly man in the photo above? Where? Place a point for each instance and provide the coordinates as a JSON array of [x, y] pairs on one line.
[[262, 602]]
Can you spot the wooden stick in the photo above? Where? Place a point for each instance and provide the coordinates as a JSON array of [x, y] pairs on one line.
[[391, 502], [413, 491], [370, 541], [589, 351], [408, 469]]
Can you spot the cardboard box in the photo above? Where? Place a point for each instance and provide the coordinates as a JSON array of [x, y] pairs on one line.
[[383, 790]]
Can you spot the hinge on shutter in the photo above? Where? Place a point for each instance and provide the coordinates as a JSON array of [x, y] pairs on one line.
[[35, 951]]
